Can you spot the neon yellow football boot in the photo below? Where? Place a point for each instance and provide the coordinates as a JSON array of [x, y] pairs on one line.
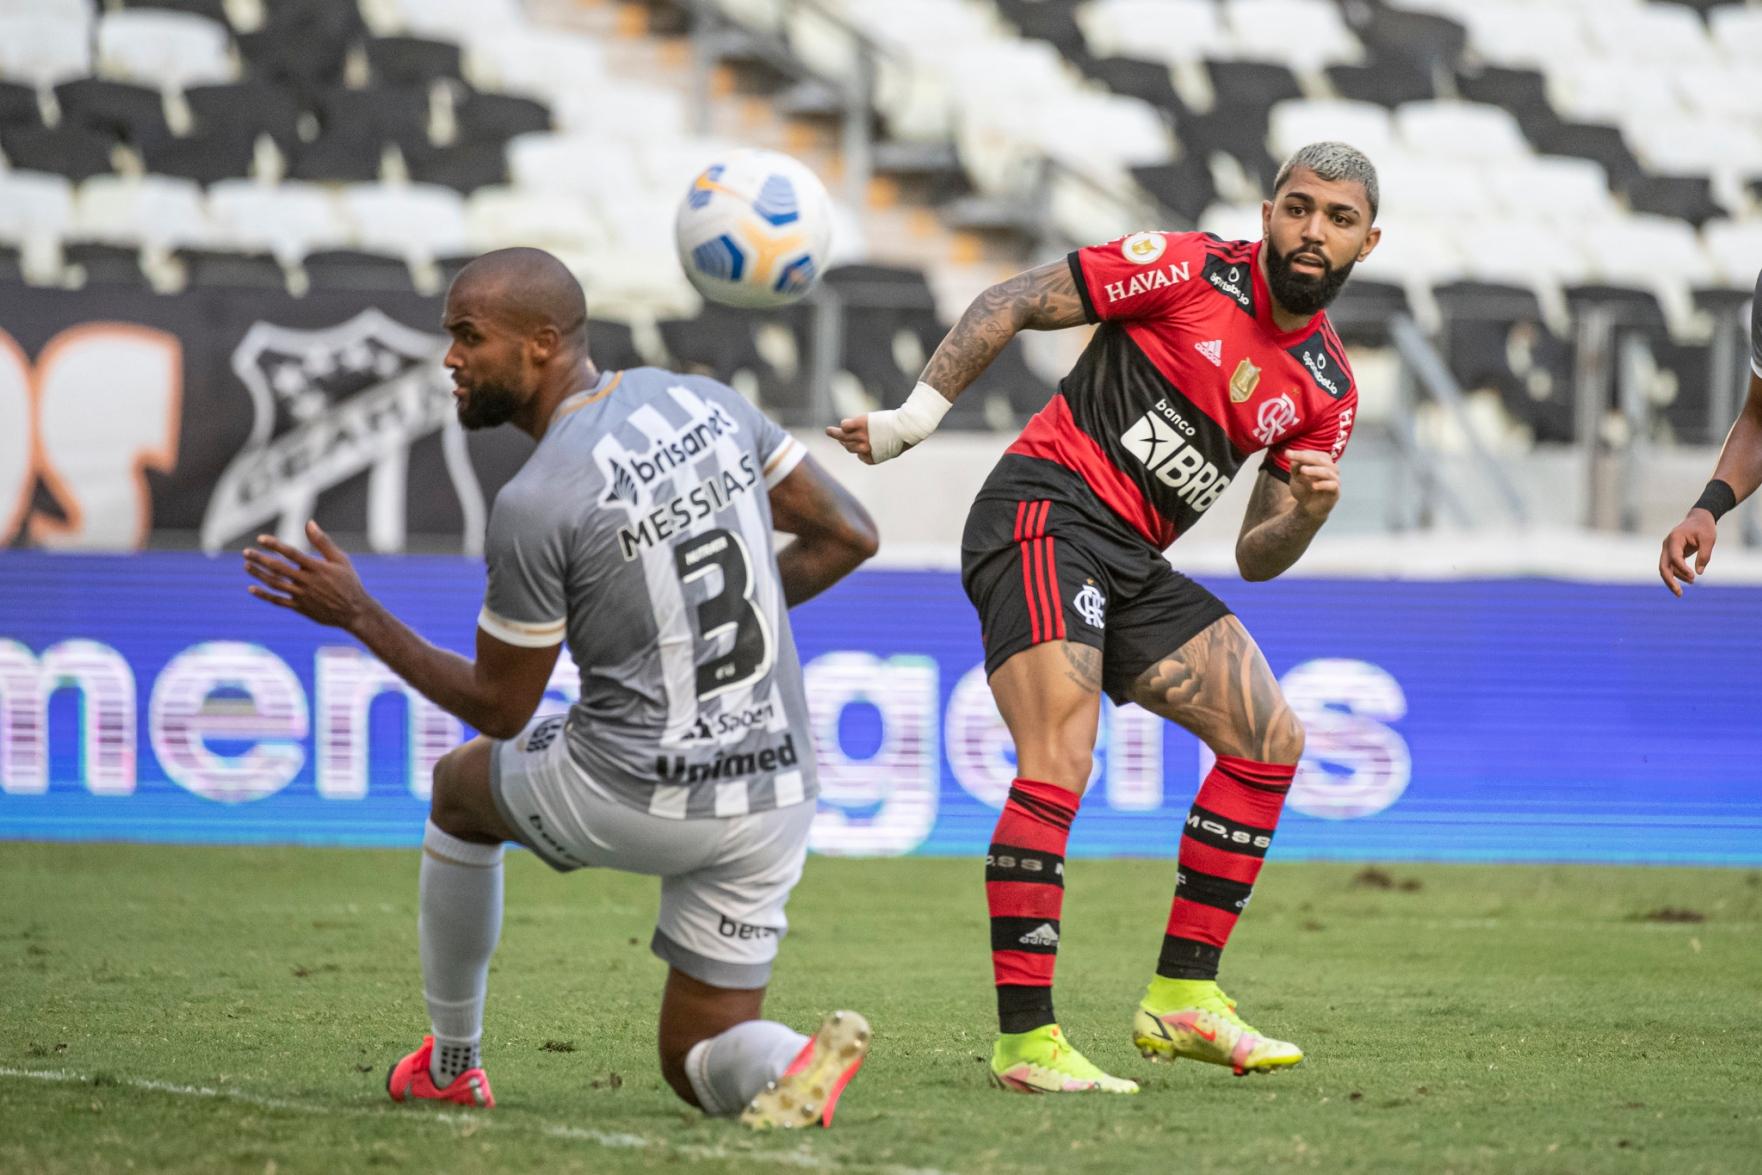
[[1043, 1061], [1193, 1018]]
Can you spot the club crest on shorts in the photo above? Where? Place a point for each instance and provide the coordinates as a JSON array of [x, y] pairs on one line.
[[1091, 605], [1244, 381]]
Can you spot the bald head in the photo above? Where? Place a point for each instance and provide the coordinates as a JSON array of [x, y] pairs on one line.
[[522, 291]]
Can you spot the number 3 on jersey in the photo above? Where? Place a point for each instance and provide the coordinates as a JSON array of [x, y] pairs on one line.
[[729, 608]]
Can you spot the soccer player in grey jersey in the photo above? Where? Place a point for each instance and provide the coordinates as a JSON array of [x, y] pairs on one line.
[[1735, 476], [639, 532]]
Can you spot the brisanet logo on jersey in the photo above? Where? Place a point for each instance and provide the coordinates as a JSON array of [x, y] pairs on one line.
[[630, 472]]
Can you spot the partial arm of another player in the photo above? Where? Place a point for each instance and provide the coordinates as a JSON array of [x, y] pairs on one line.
[[1045, 298], [1282, 517], [1740, 469], [833, 533], [497, 693]]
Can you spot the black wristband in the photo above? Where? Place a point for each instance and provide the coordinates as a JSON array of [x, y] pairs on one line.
[[1716, 499]]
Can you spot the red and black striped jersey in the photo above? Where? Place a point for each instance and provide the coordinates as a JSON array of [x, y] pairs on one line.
[[1187, 377]]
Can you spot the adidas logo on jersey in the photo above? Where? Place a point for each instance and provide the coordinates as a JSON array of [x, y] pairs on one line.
[[1213, 350], [1042, 935]]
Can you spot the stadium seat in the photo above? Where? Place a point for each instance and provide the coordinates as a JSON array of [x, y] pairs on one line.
[[43, 50], [412, 60], [253, 106], [419, 222], [1552, 189], [73, 151], [1385, 82], [1467, 131], [1421, 41], [1695, 144], [382, 113], [1721, 91], [1303, 34], [357, 269], [500, 218], [34, 205], [1362, 124], [19, 106], [1590, 91], [344, 155], [532, 63], [632, 112], [1664, 34], [498, 117], [452, 20], [230, 269], [1140, 28], [214, 10], [120, 110], [1682, 197], [464, 167], [1735, 248], [566, 163], [1185, 186], [287, 219], [101, 263], [1736, 29], [206, 157], [74, 11], [1515, 33], [168, 49], [1603, 145], [153, 211]]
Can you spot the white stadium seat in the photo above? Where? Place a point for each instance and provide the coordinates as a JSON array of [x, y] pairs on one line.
[[42, 51], [1552, 188], [171, 50], [1302, 34], [34, 204], [1736, 30], [419, 222], [634, 112], [1297, 122], [526, 61], [75, 11], [500, 218], [600, 169], [1735, 249], [1723, 90], [1665, 34], [151, 210], [1591, 90], [289, 219], [1138, 28], [1469, 131], [1420, 186], [1518, 33], [1524, 253], [447, 20], [1695, 145]]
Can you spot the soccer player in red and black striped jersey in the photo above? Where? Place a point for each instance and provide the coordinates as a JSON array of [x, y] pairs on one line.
[[1208, 351]]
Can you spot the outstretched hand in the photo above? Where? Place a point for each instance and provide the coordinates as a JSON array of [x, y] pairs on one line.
[[853, 433], [321, 586], [1694, 535], [1315, 482]]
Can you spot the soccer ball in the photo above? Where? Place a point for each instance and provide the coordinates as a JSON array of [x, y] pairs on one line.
[[754, 230]]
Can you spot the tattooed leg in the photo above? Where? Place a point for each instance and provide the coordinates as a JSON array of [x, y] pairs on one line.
[[1218, 686], [1050, 698]]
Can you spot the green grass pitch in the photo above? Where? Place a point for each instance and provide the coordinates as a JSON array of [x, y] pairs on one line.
[[228, 1009]]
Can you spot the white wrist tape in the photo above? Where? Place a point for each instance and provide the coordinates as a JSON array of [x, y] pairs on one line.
[[892, 429]]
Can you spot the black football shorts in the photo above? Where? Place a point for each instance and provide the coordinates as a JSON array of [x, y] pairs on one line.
[[1044, 568]]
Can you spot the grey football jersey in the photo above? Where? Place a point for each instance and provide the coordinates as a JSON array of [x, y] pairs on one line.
[[1756, 328], [640, 531]]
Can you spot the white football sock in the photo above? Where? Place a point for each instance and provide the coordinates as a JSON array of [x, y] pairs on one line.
[[727, 1071], [460, 922]]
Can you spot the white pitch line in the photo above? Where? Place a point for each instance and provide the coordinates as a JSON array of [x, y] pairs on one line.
[[602, 1138]]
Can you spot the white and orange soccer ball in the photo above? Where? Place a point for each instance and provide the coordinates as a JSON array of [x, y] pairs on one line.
[[754, 230]]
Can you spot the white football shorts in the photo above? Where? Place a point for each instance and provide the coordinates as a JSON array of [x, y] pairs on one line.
[[724, 880]]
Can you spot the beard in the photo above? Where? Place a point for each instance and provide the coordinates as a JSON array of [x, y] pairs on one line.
[[488, 405], [1303, 293]]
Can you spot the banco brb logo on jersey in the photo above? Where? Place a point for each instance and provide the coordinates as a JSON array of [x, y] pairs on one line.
[[327, 406]]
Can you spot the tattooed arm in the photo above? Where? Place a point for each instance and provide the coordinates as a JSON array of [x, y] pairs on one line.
[[1038, 299], [1282, 518]]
